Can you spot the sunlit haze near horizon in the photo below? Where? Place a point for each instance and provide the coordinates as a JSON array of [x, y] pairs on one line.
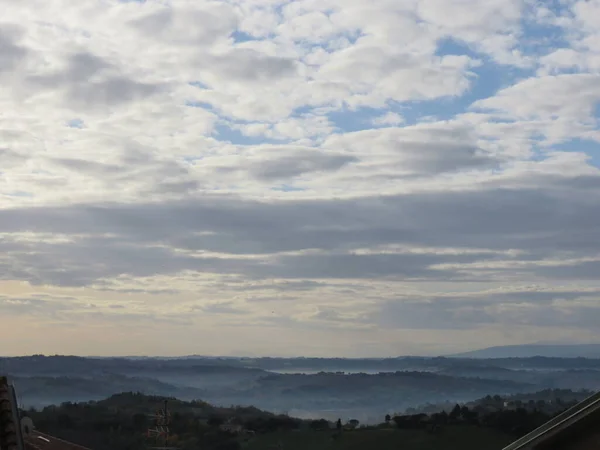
[[322, 178]]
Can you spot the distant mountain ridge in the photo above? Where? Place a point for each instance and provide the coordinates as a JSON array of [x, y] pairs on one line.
[[532, 350], [312, 387]]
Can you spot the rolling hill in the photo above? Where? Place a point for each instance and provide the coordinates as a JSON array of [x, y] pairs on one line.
[[532, 350]]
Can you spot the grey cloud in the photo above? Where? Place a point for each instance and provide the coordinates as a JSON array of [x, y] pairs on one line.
[[543, 223], [400, 266], [329, 314], [476, 311], [295, 285], [287, 164], [481, 301], [248, 65], [271, 299], [538, 296], [529, 219], [35, 306], [576, 182], [129, 317], [10, 52], [87, 260], [496, 218], [198, 26], [161, 176], [428, 315], [576, 317], [420, 150], [174, 187], [79, 68], [82, 66], [325, 320], [10, 55], [298, 164], [572, 271], [91, 82], [10, 159], [89, 167], [103, 285], [427, 158], [112, 91], [155, 22], [220, 308], [90, 259]]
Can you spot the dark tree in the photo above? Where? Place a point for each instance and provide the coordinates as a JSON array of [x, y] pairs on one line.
[[455, 413], [320, 424], [215, 421], [140, 421]]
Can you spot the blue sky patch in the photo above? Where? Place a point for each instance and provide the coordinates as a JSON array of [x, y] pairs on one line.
[[227, 134], [241, 36], [196, 104], [21, 194], [199, 84], [76, 123], [350, 121], [287, 188], [591, 147]]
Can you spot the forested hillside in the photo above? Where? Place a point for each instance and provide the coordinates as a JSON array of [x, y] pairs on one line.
[[121, 421]]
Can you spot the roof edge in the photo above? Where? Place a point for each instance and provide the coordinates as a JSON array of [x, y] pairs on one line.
[[558, 423]]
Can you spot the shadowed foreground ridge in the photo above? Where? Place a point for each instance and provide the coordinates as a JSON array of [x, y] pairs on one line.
[[17, 436], [577, 428]]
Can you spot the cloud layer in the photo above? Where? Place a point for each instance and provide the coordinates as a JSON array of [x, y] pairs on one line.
[[363, 175]]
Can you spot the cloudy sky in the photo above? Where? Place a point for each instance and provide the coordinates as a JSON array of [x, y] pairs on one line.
[[331, 177]]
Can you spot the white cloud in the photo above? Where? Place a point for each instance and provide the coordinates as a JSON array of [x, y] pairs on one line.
[[556, 107], [300, 162], [389, 118], [293, 128], [570, 96]]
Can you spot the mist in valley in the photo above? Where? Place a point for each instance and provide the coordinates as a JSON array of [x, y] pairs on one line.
[[305, 388]]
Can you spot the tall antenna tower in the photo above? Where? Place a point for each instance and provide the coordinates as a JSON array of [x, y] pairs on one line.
[[160, 431]]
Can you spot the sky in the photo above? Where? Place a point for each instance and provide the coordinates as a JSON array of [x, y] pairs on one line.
[[321, 178]]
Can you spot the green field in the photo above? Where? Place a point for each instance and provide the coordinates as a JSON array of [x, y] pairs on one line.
[[451, 438]]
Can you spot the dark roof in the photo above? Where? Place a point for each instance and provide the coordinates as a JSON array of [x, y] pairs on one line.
[[42, 441], [570, 421]]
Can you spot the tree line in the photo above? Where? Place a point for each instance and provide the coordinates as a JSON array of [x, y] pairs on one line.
[[121, 422]]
